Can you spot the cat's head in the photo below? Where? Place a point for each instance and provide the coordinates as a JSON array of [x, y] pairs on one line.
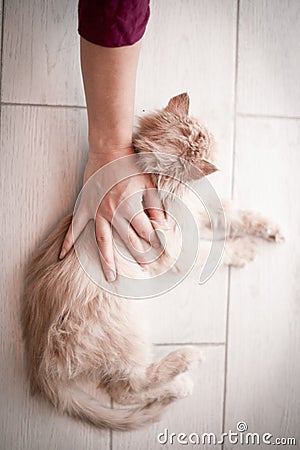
[[173, 132]]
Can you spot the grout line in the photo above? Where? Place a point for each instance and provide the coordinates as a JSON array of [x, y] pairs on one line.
[[226, 351], [1, 56], [2, 35], [39, 105], [110, 430], [212, 344], [235, 101], [231, 195], [267, 116], [48, 105]]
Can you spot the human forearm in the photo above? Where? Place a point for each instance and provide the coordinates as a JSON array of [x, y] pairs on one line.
[[109, 76]]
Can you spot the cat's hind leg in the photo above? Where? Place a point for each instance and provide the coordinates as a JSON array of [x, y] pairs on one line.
[[162, 379], [179, 387], [173, 364]]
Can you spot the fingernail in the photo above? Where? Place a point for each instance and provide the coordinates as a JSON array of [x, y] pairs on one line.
[[156, 244], [110, 275], [62, 254]]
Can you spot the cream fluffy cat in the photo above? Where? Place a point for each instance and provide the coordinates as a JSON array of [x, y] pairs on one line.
[[75, 332]]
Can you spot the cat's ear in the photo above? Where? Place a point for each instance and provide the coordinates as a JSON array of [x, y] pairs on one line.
[[179, 104], [207, 167]]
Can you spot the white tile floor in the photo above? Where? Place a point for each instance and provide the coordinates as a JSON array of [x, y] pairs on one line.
[[240, 62]]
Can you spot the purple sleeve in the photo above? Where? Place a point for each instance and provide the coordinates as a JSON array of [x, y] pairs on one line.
[[113, 23]]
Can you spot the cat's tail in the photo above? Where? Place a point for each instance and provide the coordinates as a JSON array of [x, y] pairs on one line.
[[79, 404]]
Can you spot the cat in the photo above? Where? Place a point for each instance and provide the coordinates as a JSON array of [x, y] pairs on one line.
[[76, 332]]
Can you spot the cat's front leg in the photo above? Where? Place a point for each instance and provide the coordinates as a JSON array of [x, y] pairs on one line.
[[239, 251], [243, 222]]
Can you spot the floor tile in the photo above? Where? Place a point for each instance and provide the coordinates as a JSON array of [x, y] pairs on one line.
[[263, 356], [41, 60], [269, 55]]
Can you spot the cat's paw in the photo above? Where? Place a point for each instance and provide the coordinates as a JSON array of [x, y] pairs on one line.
[[183, 359], [182, 386], [267, 229], [192, 355], [247, 253], [273, 233], [239, 252]]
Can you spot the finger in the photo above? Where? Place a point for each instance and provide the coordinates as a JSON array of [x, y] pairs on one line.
[[79, 220], [153, 206], [143, 228], [105, 243], [132, 241]]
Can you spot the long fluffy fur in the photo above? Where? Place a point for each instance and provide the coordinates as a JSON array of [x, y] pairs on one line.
[[76, 332]]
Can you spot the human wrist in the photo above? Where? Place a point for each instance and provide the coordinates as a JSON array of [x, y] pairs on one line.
[[105, 152], [101, 144], [100, 156]]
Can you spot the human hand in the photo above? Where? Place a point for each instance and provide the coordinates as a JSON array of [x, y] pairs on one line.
[[120, 209]]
